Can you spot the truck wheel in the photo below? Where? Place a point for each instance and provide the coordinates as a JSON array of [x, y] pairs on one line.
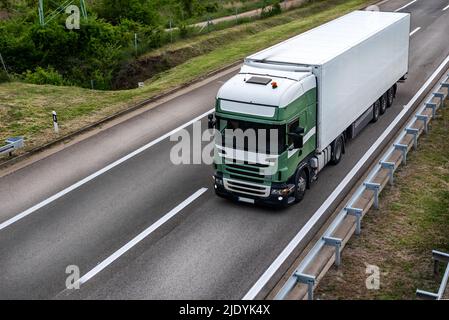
[[383, 104], [300, 185], [376, 111], [390, 97], [337, 151]]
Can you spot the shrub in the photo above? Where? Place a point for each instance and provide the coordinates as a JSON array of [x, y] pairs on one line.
[[44, 76], [4, 76], [272, 11]]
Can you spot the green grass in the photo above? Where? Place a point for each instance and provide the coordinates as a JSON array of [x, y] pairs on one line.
[[25, 109], [412, 221]]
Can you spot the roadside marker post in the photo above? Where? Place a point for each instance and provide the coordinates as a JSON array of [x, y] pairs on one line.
[[55, 122]]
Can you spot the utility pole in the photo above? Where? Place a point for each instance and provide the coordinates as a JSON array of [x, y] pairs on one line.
[[4, 65], [41, 12], [171, 30]]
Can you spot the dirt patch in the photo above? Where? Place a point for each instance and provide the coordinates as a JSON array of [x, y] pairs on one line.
[[413, 219], [148, 66]]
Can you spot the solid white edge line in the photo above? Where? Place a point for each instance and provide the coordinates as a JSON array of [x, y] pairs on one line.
[[97, 173], [415, 31], [89, 275], [268, 274], [445, 8], [403, 7]]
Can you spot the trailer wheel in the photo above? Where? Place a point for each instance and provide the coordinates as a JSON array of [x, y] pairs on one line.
[[300, 185], [383, 103], [376, 111], [390, 96], [337, 150]]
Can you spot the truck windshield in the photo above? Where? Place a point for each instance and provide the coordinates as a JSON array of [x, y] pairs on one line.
[[252, 136]]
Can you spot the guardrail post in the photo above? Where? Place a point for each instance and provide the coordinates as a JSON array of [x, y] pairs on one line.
[[433, 106], [389, 166], [307, 280], [403, 148], [357, 213], [375, 187], [335, 242], [425, 119], [414, 132], [445, 84], [437, 257], [440, 96]]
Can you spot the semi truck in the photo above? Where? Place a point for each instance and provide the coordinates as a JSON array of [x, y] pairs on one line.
[[316, 91]]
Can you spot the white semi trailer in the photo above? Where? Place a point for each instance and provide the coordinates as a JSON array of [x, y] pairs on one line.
[[317, 90]]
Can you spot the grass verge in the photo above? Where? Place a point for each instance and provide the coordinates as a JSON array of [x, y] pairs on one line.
[[399, 238], [25, 109]]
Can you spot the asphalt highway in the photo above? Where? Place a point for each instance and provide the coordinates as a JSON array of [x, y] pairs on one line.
[[204, 247]]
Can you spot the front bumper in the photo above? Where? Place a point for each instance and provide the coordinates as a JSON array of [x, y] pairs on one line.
[[276, 200]]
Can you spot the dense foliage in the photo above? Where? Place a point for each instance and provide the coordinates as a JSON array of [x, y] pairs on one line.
[[93, 54]]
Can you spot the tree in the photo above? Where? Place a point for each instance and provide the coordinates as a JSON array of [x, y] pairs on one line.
[[142, 11]]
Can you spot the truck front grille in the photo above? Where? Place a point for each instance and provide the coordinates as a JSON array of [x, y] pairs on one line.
[[253, 172], [244, 187]]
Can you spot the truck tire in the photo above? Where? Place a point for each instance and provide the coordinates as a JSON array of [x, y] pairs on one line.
[[337, 150], [300, 185], [376, 111], [390, 96], [383, 103]]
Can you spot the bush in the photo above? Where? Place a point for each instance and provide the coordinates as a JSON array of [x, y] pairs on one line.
[[4, 76], [272, 11], [44, 76], [143, 11]]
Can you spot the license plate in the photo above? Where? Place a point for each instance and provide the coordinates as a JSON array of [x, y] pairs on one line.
[[247, 200]]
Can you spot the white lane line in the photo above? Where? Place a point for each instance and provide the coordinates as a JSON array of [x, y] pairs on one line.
[[140, 237], [403, 7], [268, 274], [415, 31], [97, 173], [445, 8]]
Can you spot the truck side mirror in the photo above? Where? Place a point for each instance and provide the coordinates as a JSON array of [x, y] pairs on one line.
[[211, 121]]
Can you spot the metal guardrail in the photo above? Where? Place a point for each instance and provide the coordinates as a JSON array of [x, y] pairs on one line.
[[437, 257], [300, 276], [11, 145]]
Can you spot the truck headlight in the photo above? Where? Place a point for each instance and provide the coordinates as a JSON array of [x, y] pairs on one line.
[[284, 191], [218, 181]]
